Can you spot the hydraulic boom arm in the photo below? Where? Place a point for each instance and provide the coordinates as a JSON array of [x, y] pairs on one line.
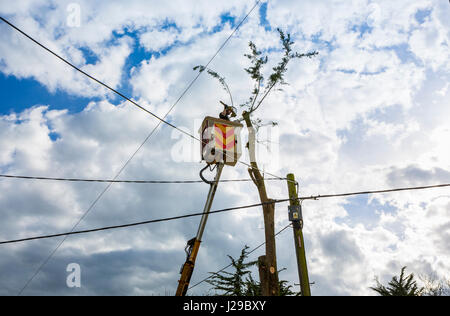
[[193, 245]]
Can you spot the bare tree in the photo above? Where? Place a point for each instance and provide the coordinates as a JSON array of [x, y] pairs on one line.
[[432, 286]]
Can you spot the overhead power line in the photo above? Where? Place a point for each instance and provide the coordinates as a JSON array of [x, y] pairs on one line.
[[134, 103], [162, 120], [316, 197], [138, 223], [124, 181], [92, 78]]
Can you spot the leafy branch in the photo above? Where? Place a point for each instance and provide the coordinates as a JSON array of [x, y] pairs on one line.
[[399, 286], [277, 77], [241, 282], [221, 79], [262, 87]]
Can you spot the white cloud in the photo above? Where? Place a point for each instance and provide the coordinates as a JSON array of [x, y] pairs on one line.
[[362, 115], [157, 40], [430, 43], [99, 23]]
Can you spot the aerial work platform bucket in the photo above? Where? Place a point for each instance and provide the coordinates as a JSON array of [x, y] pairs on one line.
[[221, 142]]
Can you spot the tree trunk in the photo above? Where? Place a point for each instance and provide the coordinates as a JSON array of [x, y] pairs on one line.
[[263, 281], [269, 283]]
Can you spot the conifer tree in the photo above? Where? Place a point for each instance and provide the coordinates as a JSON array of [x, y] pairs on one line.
[[233, 284], [241, 282], [401, 286]]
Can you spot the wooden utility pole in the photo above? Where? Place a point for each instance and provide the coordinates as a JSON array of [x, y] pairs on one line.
[[295, 215], [262, 87], [267, 264]]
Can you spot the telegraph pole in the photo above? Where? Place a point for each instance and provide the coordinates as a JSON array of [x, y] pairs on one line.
[[296, 217]]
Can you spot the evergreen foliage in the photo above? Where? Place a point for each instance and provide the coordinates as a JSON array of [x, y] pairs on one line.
[[233, 284], [401, 286], [241, 281]]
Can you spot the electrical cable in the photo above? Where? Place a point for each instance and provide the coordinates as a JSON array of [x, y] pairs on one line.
[[134, 103], [317, 197], [91, 77], [161, 120], [225, 210], [324, 196], [138, 223], [125, 181]]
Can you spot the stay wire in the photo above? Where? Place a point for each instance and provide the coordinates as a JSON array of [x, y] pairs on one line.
[[84, 215]]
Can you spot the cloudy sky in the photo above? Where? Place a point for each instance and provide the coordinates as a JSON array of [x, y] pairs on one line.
[[372, 111]]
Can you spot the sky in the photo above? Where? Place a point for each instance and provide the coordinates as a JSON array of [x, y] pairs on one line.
[[371, 111]]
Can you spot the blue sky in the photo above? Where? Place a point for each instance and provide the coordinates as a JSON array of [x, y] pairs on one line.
[[20, 93], [370, 112]]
